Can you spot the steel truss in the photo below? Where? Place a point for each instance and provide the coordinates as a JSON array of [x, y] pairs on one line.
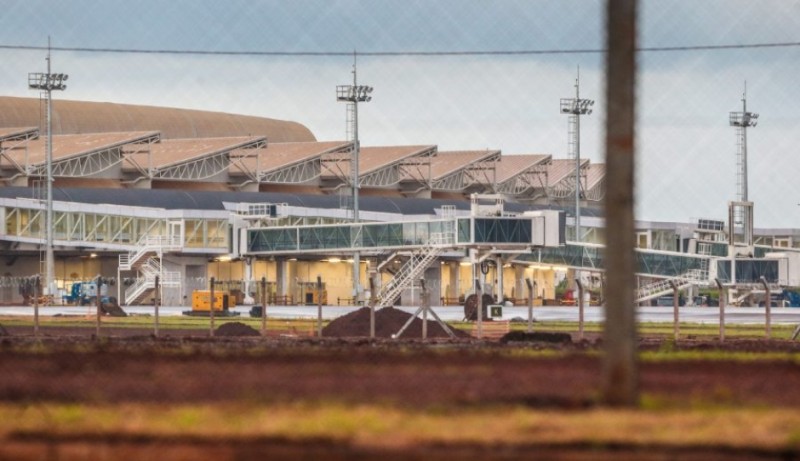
[[483, 171], [90, 163], [309, 169], [527, 181], [331, 165], [209, 165], [16, 140], [393, 173], [566, 186]]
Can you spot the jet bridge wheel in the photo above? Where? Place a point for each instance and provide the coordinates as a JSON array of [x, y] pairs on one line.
[[471, 306]]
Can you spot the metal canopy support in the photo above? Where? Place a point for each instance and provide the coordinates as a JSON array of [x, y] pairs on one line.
[[13, 142], [296, 173], [527, 181], [565, 188], [92, 162], [483, 171], [199, 168]]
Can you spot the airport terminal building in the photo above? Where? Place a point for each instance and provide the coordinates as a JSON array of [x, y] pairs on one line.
[[185, 196]]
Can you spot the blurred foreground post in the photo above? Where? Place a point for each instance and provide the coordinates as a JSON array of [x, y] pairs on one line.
[[620, 371]]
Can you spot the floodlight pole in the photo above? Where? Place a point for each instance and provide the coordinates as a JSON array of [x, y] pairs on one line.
[[742, 120], [355, 94], [575, 108], [48, 82]]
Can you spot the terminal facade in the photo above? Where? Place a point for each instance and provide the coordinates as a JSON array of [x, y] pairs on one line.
[[188, 196]]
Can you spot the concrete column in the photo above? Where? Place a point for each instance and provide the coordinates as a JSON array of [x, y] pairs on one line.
[[282, 276], [454, 287], [248, 278], [499, 274], [519, 282]]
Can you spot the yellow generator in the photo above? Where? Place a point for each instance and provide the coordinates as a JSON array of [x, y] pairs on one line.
[[201, 304]]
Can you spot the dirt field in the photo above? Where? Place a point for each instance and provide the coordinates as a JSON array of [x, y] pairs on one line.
[[129, 366]]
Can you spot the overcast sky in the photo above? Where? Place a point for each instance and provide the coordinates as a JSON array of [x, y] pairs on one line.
[[686, 150]]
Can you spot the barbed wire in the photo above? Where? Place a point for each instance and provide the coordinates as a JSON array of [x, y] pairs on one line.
[[397, 53]]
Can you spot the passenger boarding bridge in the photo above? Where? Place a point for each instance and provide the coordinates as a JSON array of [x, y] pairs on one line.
[[178, 242]]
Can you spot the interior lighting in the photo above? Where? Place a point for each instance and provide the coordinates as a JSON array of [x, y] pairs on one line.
[[334, 260]]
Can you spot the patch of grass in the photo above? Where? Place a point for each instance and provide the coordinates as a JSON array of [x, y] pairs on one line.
[[387, 425]]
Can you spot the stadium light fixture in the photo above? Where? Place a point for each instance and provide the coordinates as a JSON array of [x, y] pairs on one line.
[[48, 82]]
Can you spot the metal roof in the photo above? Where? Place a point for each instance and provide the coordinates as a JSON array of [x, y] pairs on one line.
[[445, 163], [75, 145], [74, 117], [17, 132], [559, 169], [510, 166]]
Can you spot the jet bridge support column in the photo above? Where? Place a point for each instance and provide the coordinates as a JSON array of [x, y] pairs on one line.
[[453, 285], [498, 261], [519, 282], [282, 276]]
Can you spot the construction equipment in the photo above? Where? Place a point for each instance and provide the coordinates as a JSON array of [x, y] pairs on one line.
[[201, 304], [82, 294]]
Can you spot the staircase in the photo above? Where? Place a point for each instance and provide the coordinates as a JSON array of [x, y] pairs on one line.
[[413, 268], [664, 287], [685, 280], [146, 259]]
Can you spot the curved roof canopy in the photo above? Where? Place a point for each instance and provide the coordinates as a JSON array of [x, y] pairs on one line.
[[78, 117]]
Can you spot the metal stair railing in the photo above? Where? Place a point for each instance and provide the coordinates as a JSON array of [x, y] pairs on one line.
[[414, 267], [150, 270], [664, 286], [148, 244]]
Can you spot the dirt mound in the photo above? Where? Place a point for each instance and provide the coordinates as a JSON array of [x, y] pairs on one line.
[[236, 329], [388, 321], [538, 337]]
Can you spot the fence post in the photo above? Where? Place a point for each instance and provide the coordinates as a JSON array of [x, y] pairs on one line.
[[36, 285], [722, 302], [319, 306], [263, 306], [99, 301], [580, 309], [425, 303], [531, 293], [372, 300], [767, 308], [676, 328], [157, 305], [211, 309], [479, 314]]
